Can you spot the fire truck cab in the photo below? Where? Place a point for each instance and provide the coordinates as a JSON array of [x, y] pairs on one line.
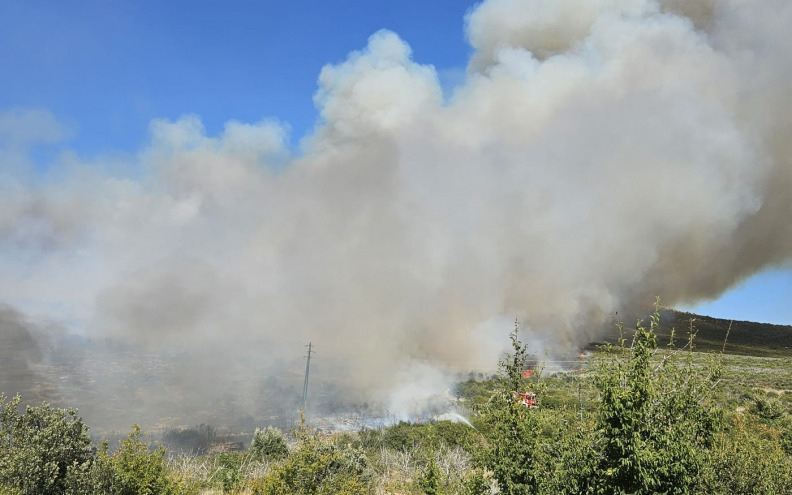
[[528, 399]]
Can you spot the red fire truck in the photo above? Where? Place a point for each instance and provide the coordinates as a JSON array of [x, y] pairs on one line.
[[528, 399]]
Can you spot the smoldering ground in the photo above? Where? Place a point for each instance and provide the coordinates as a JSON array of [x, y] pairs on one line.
[[597, 154]]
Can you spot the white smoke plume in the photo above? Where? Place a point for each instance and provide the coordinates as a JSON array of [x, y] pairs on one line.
[[598, 153]]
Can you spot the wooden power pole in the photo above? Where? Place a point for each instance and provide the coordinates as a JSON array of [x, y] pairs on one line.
[[307, 371]]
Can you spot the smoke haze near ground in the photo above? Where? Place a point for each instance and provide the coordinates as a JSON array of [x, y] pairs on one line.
[[597, 154]]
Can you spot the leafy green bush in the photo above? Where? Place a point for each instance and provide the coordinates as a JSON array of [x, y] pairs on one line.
[[403, 435], [476, 392], [268, 443], [650, 430], [138, 471], [228, 474], [430, 479], [317, 466], [768, 408], [785, 434], [476, 483], [655, 419], [747, 458], [41, 448], [453, 434]]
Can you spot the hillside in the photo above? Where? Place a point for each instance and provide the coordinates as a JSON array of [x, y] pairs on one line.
[[745, 337]]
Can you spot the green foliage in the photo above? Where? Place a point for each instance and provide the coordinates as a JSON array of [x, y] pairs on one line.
[[475, 391], [268, 443], [317, 466], [514, 432], [747, 458], [450, 434], [98, 476], [409, 436], [655, 420], [430, 479], [768, 408], [785, 434], [228, 474], [139, 471], [573, 459], [41, 449], [476, 483], [403, 436], [649, 432]]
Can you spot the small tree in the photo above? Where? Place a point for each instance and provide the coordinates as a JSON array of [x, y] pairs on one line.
[[655, 417], [513, 431]]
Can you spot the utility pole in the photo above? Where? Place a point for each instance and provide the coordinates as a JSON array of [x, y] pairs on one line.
[[307, 370]]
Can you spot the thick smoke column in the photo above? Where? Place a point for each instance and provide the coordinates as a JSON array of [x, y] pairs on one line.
[[598, 153]]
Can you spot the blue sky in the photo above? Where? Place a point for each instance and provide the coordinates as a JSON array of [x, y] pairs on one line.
[[765, 297], [107, 68]]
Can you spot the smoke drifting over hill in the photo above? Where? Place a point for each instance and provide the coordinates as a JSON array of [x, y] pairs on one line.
[[597, 154]]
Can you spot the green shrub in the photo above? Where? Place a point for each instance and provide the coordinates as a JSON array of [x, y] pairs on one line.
[[411, 436], [453, 434], [650, 430], [655, 419], [370, 438], [228, 474], [785, 434], [476, 483], [768, 408], [268, 443], [747, 458], [41, 448], [403, 436], [138, 471], [476, 392], [430, 479], [317, 466]]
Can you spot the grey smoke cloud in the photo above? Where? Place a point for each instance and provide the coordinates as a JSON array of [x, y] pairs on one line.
[[19, 351], [596, 155]]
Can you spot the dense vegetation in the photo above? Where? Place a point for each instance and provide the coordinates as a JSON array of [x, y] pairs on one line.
[[640, 418]]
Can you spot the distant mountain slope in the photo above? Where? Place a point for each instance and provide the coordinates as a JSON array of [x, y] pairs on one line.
[[745, 337]]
